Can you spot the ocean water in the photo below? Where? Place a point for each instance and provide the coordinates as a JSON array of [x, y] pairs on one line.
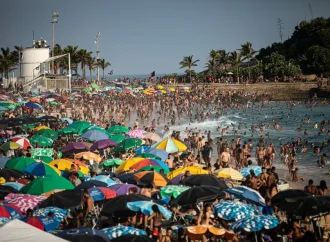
[[289, 118]]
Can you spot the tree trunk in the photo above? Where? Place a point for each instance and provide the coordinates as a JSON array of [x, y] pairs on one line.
[[249, 69], [90, 74], [102, 73], [190, 76]]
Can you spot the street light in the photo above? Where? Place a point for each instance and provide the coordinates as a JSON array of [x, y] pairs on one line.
[[55, 15], [97, 54]]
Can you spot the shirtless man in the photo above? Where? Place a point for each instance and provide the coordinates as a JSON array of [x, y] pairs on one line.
[[146, 191], [310, 187], [225, 158], [169, 162], [260, 153], [271, 178]]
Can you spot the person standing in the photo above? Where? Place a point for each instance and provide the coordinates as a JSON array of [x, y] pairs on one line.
[[206, 154]]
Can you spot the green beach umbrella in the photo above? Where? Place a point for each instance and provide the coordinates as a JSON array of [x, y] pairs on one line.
[[67, 130], [117, 137], [41, 169], [41, 141], [45, 184], [45, 159], [28, 126], [80, 126], [19, 163], [128, 144], [53, 103], [10, 145], [98, 129], [117, 129], [87, 90], [94, 85], [112, 162], [48, 133], [153, 168], [149, 156], [172, 190]]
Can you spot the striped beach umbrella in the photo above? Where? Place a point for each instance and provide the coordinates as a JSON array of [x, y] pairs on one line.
[[254, 223]]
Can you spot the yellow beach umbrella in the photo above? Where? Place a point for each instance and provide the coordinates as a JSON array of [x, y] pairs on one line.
[[230, 173], [146, 92], [163, 91], [126, 165], [192, 169], [40, 128], [61, 164], [172, 89], [170, 145], [187, 91], [88, 156], [160, 87]]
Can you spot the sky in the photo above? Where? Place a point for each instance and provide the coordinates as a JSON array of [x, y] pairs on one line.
[[141, 36]]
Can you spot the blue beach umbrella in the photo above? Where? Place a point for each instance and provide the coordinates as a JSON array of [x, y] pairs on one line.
[[160, 153], [2, 108], [247, 194], [4, 220], [94, 135], [90, 184], [3, 161], [145, 207], [254, 223], [82, 234], [105, 179], [142, 149], [67, 120], [118, 231], [246, 170], [59, 214], [43, 222], [34, 105], [15, 185], [233, 209]]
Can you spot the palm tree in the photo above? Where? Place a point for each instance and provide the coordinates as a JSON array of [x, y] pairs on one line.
[[73, 50], [248, 53], [223, 58], [83, 56], [91, 64], [213, 62], [103, 65], [188, 62], [58, 62], [7, 62], [235, 59]]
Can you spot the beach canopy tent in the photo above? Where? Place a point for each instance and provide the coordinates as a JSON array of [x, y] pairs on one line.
[[17, 230]]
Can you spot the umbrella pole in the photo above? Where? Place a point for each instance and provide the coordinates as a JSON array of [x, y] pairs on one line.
[[255, 236]]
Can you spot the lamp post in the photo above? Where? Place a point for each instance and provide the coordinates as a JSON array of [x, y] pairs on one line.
[[54, 21], [97, 54]]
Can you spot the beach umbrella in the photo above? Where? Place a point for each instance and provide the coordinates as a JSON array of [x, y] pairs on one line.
[[62, 164], [125, 166], [67, 130], [122, 189], [41, 141], [59, 214], [16, 185], [90, 184], [43, 222], [23, 181], [23, 201], [102, 144], [151, 177], [150, 163], [48, 133], [63, 199], [4, 220], [149, 156], [83, 235], [105, 179], [10, 211], [311, 207], [11, 146], [117, 137], [98, 128], [2, 108], [233, 209], [6, 173], [128, 144], [246, 170], [19, 163], [172, 190], [127, 177], [254, 223], [75, 147], [94, 135], [41, 127], [117, 206], [5, 190], [285, 200], [136, 133], [119, 230], [82, 167], [198, 194], [33, 105], [133, 238], [80, 126], [146, 207], [88, 156], [192, 169], [69, 121], [170, 145], [112, 162], [48, 118], [142, 149], [230, 173], [23, 142], [247, 194], [45, 159], [41, 169], [101, 193], [153, 137], [45, 184], [117, 129], [159, 153], [204, 180], [197, 232], [3, 161], [27, 127]]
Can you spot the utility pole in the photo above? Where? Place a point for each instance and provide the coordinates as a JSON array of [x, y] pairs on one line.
[[54, 21], [310, 10], [280, 28], [97, 54]]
